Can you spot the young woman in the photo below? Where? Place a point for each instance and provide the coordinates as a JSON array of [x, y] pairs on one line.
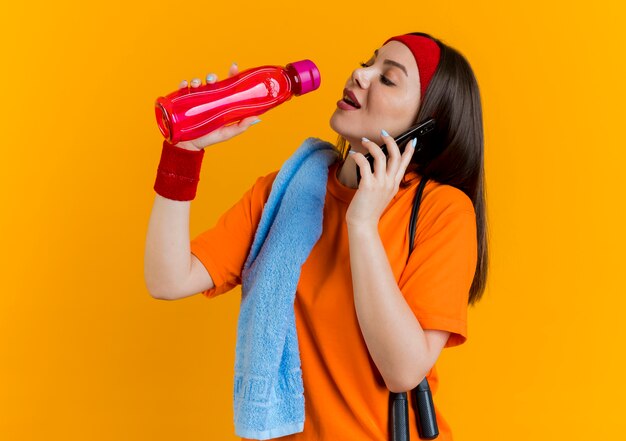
[[368, 321]]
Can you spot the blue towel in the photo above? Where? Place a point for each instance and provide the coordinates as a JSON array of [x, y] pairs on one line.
[[268, 389]]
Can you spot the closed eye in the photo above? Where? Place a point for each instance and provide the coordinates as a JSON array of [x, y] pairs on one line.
[[383, 79]]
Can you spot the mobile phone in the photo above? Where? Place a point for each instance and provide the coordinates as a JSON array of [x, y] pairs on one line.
[[419, 131]]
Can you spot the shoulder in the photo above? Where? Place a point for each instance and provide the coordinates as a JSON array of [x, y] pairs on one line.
[[267, 180], [262, 187], [443, 199], [444, 208]]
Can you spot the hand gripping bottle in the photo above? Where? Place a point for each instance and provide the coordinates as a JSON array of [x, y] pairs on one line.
[[190, 113]]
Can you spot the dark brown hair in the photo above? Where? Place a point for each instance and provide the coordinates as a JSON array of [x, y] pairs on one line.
[[453, 100]]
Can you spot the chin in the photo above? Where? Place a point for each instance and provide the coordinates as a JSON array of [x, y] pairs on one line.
[[340, 131], [333, 123]]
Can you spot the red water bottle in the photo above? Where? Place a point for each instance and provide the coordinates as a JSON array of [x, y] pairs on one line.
[[190, 113]]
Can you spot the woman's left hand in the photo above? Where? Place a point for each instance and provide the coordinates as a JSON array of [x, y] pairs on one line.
[[377, 189]]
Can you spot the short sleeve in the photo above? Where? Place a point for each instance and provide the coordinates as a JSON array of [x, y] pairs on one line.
[[439, 274], [223, 249]]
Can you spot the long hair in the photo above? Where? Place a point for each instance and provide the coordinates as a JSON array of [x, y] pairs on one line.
[[453, 100]]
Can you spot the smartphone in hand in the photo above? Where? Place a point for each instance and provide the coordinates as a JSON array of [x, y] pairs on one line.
[[419, 131]]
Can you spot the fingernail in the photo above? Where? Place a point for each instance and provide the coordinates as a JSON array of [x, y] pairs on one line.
[[255, 121], [364, 139], [234, 64], [210, 77], [384, 132], [414, 142]]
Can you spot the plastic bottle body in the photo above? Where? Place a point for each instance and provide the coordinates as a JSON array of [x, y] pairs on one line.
[[190, 113]]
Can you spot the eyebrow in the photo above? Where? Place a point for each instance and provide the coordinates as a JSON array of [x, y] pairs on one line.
[[393, 63]]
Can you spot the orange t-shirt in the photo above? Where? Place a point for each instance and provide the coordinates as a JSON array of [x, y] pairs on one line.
[[345, 395]]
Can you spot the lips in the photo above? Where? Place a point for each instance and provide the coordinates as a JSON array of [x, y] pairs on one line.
[[350, 98]]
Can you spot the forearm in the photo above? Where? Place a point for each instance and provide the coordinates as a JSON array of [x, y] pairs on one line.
[[167, 259], [394, 337]]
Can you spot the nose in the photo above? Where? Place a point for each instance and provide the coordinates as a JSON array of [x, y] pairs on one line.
[[359, 76]]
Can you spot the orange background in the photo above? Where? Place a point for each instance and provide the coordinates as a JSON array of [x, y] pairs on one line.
[[87, 354]]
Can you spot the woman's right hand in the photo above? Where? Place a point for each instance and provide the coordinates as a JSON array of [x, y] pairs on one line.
[[222, 133]]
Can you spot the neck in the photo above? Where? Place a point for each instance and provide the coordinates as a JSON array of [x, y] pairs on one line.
[[346, 173]]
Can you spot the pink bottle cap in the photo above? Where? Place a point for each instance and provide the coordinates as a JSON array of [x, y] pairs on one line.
[[310, 78]]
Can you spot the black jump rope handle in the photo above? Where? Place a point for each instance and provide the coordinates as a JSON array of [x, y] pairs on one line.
[[426, 419], [425, 414], [399, 416]]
